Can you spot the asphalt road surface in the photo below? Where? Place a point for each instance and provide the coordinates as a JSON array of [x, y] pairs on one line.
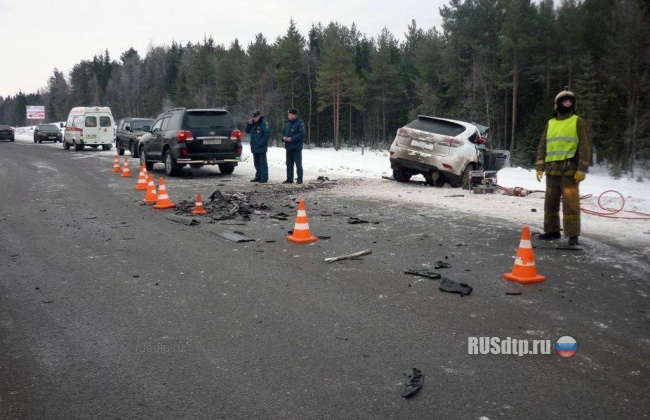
[[110, 310]]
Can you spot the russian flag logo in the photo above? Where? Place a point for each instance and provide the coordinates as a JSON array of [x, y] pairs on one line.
[[566, 346]]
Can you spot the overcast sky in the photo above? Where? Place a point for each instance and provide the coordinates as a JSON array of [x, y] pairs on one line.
[[37, 36]]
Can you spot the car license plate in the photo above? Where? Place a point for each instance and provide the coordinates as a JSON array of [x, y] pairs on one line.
[[211, 141], [422, 144], [52, 137], [91, 136]]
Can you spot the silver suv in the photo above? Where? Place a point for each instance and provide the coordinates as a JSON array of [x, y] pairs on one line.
[[440, 149]]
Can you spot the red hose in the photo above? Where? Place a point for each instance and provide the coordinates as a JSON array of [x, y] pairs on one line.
[[609, 213]]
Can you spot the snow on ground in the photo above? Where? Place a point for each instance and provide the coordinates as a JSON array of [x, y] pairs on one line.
[[361, 175]]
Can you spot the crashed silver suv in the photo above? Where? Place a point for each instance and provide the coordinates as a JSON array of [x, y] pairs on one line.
[[441, 150]]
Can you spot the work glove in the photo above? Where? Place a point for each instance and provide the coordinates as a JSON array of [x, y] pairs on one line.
[[539, 175], [579, 176]]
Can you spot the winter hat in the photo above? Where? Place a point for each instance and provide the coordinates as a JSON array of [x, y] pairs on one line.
[[565, 94], [256, 113], [293, 111]]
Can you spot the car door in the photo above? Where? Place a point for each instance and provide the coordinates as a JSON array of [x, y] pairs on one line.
[[106, 133], [91, 129], [121, 124], [153, 148]]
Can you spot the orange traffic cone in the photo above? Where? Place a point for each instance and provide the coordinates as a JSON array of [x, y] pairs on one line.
[[524, 270], [198, 208], [116, 164], [301, 233], [126, 172], [142, 179], [152, 196], [163, 201]]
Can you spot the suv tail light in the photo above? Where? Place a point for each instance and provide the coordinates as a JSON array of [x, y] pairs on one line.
[[184, 135], [450, 142], [237, 135]]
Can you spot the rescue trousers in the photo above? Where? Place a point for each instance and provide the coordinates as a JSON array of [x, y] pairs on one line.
[[294, 157], [564, 188], [261, 167]]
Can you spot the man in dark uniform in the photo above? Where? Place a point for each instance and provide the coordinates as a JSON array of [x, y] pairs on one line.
[[292, 136], [564, 154], [260, 132]]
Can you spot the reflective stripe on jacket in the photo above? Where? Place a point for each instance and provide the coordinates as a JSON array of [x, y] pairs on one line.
[[561, 139]]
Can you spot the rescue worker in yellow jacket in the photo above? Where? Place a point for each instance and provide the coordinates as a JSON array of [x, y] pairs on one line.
[[564, 154]]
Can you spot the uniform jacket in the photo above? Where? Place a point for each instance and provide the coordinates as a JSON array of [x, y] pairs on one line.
[[296, 130], [580, 161], [260, 133]]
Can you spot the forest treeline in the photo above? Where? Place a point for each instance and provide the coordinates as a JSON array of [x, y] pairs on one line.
[[494, 62]]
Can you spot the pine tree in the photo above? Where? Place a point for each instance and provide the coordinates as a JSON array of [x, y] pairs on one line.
[[385, 89], [289, 53], [337, 79]]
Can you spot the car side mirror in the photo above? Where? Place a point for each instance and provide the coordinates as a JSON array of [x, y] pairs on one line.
[[127, 128], [62, 125]]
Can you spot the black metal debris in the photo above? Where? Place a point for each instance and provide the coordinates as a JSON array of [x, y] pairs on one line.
[[413, 379]]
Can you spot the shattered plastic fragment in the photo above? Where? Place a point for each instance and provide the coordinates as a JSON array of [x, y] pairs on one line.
[[450, 286], [217, 195], [441, 264], [189, 221], [412, 382], [424, 273], [356, 220], [280, 216]]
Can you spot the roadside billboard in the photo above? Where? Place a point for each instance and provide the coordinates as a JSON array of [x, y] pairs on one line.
[[35, 112]]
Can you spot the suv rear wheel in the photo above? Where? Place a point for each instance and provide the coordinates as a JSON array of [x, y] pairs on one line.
[[171, 167], [226, 168], [401, 175]]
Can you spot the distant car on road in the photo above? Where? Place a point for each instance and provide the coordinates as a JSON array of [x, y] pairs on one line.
[[129, 131], [49, 132], [7, 132]]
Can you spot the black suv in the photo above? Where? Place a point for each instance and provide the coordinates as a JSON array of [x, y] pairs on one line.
[[129, 131], [196, 137]]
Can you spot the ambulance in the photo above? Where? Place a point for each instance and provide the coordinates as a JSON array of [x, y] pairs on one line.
[[89, 126]]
